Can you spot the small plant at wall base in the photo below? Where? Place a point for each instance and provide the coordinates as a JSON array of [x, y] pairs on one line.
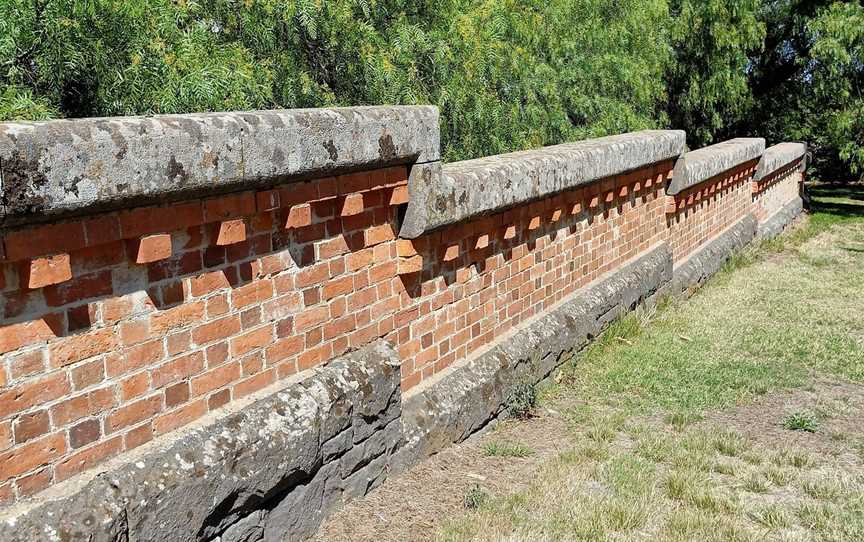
[[522, 400]]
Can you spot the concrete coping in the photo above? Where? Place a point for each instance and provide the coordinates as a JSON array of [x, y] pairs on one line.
[[700, 165], [463, 190], [69, 167], [780, 155]]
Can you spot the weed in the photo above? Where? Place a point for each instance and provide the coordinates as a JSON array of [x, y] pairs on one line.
[[503, 449], [475, 498], [801, 421], [522, 400]]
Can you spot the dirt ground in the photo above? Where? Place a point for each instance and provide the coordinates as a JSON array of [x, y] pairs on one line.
[[412, 506]]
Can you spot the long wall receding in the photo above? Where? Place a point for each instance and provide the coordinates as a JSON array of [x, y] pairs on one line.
[[218, 327]]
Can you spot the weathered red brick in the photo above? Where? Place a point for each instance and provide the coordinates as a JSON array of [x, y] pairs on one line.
[[133, 413], [231, 232], [152, 248], [88, 457], [43, 240], [33, 393], [46, 271], [25, 458]]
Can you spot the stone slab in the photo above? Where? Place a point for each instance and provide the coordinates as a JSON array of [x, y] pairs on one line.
[[464, 190], [777, 156], [66, 167], [700, 165], [776, 223]]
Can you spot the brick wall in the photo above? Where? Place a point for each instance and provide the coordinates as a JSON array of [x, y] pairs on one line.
[[771, 193], [701, 212], [120, 327]]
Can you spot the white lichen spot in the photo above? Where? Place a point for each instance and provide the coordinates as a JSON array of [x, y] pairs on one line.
[[185, 465], [140, 464]]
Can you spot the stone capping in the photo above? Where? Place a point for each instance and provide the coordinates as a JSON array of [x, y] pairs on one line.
[[440, 196], [779, 155], [71, 167], [700, 165]]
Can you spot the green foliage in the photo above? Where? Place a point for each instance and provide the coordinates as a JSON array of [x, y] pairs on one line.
[[708, 84], [507, 74]]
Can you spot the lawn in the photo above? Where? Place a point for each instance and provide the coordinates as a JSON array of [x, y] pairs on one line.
[[734, 415]]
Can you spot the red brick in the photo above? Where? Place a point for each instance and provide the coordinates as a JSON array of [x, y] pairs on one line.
[[33, 454], [341, 286], [177, 369], [176, 394], [215, 378], [250, 341], [267, 200], [138, 357], [255, 292], [399, 195], [176, 317], [46, 271], [81, 406], [299, 216], [219, 399], [84, 433], [378, 234], [216, 330], [43, 240], [231, 206], [332, 247], [146, 220], [14, 336], [138, 436], [135, 386], [34, 482], [180, 417], [231, 232], [133, 413], [340, 326], [310, 317], [33, 393], [102, 229], [152, 248], [88, 374], [79, 347], [254, 383], [27, 364], [354, 182], [6, 439], [352, 204], [134, 331], [84, 287], [284, 349], [87, 458], [31, 425]]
